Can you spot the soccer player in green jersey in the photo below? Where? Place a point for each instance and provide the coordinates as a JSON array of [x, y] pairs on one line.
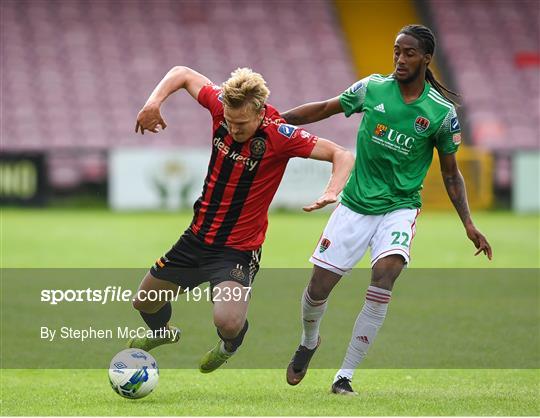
[[406, 115]]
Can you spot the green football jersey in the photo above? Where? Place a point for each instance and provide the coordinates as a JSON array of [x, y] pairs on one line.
[[395, 142]]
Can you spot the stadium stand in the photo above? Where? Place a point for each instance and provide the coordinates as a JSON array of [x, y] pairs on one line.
[[494, 55], [370, 42], [76, 72]]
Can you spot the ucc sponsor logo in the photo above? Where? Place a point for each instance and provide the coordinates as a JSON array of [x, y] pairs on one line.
[[250, 163], [393, 139]]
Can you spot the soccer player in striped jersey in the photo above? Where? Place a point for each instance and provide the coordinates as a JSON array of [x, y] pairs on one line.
[[251, 146], [406, 116]]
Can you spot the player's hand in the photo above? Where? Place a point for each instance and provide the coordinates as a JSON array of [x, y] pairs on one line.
[[321, 202], [480, 241], [149, 119]]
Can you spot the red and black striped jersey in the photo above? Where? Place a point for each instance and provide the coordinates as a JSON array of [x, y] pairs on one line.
[[243, 178]]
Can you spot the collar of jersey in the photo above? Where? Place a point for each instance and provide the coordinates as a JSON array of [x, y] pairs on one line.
[[418, 100]]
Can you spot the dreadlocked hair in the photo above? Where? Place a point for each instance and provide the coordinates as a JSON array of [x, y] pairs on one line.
[[427, 41]]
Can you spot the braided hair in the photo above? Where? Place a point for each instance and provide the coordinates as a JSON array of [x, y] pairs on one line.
[[427, 41]]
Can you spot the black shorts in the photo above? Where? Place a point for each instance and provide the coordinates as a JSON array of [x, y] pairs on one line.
[[191, 262]]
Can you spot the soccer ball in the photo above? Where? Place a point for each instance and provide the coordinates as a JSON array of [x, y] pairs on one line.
[[133, 373]]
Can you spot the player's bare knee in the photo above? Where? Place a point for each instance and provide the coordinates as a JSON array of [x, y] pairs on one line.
[[137, 305], [383, 279], [321, 284], [386, 271], [229, 327], [145, 306], [317, 291]]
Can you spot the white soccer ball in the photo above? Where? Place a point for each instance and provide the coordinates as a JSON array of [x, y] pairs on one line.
[[133, 373]]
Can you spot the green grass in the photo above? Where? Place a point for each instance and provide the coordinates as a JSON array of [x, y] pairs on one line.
[[264, 392], [501, 312], [99, 238]]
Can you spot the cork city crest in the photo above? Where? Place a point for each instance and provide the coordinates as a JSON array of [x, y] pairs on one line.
[[325, 243], [421, 124]]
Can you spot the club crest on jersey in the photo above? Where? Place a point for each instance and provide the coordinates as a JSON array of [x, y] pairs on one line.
[[380, 130], [454, 124], [325, 243], [257, 147], [456, 138], [286, 130], [421, 124]]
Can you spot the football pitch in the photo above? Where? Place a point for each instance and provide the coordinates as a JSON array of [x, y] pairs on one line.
[[98, 239]]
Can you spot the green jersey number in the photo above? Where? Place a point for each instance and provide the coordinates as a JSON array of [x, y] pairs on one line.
[[397, 236]]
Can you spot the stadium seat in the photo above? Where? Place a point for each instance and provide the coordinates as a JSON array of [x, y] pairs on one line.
[[502, 99], [80, 84]]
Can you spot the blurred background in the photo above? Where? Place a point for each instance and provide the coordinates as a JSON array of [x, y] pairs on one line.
[[76, 72], [80, 191]]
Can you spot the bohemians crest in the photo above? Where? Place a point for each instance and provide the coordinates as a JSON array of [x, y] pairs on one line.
[[257, 147]]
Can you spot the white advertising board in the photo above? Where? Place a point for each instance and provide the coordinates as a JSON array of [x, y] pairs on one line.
[[526, 181], [172, 179]]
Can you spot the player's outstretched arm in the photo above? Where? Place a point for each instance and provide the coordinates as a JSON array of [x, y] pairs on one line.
[[342, 163], [455, 187], [149, 118], [313, 112]]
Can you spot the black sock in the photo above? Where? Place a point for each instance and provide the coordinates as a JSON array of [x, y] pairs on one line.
[[232, 344], [159, 319]]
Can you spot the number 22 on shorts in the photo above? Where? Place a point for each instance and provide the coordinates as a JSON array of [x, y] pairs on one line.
[[400, 238]]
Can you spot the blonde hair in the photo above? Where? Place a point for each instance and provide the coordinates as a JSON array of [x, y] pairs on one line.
[[245, 87]]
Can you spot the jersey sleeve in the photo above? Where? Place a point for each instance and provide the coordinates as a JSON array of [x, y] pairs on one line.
[[295, 141], [210, 97], [448, 137], [352, 99]]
